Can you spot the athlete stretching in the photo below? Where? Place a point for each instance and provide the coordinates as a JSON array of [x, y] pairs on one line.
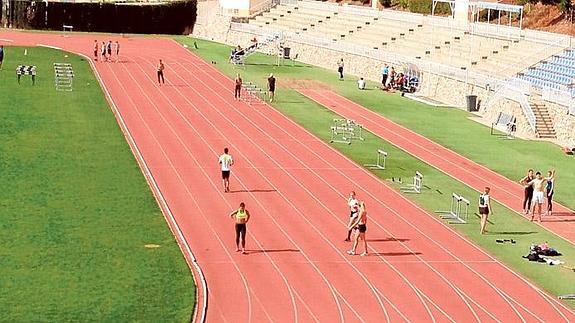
[[539, 184], [241, 216], [354, 208]]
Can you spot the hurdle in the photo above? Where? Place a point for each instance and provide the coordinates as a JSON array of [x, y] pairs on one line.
[[380, 162], [456, 213], [63, 76], [252, 93], [345, 130], [415, 186], [568, 296]]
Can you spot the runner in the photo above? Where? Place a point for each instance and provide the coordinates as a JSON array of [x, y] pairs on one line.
[[484, 208], [271, 87], [360, 225], [538, 184], [550, 189], [226, 161], [528, 194], [161, 68], [353, 205], [241, 216], [238, 87], [117, 51], [104, 58], [109, 49], [96, 50]]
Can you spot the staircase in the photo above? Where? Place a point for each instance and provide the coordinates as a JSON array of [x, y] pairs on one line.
[[543, 122]]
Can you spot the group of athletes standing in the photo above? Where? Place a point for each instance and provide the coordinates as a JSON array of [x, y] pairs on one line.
[[106, 50], [537, 190]]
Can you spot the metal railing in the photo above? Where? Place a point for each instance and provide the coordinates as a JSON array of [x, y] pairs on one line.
[[561, 97], [516, 90]]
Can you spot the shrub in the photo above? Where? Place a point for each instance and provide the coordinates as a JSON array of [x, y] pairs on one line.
[[385, 3], [565, 6]]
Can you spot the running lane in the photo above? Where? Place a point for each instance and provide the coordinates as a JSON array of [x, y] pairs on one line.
[[295, 185], [504, 190]]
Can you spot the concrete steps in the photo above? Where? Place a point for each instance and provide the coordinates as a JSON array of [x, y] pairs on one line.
[[543, 121]]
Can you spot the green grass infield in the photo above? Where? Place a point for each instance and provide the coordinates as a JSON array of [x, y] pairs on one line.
[[76, 209]]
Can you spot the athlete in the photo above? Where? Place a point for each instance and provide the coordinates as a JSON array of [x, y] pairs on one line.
[[528, 194], [360, 225], [238, 87], [241, 216], [160, 69], [539, 184], [226, 161], [484, 208], [550, 190], [353, 205], [271, 87], [95, 50]]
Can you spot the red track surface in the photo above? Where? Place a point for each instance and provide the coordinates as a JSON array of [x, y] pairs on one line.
[[505, 191], [295, 187]]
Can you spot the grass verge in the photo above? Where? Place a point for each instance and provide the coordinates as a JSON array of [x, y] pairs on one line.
[[76, 209]]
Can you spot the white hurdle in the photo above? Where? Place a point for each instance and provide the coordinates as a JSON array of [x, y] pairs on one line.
[[345, 130], [415, 187], [380, 163], [458, 210], [252, 93]]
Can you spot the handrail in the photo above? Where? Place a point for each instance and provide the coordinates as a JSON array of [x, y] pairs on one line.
[[561, 97], [518, 91]]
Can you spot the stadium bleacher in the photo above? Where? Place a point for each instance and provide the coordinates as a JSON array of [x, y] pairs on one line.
[[497, 56], [557, 72]]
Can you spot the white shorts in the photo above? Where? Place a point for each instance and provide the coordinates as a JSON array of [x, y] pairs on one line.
[[538, 197]]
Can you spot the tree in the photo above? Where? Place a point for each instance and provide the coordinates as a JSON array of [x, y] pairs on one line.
[[565, 6]]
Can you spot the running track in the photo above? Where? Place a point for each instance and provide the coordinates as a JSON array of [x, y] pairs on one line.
[[505, 191], [295, 185]]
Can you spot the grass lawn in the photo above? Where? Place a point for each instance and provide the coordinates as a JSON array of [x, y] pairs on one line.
[[505, 223], [76, 210], [449, 127]]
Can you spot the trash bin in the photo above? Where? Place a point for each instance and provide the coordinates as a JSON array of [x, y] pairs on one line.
[[471, 103], [286, 52]]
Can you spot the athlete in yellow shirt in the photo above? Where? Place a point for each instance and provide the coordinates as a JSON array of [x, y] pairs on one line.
[[241, 216]]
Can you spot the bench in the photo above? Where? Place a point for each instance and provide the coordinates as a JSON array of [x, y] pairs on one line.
[[26, 70], [67, 28], [506, 123]]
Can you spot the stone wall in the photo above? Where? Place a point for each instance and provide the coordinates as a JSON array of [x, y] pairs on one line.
[[563, 123], [210, 24]]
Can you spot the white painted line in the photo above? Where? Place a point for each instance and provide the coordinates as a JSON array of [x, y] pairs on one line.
[[48, 46]]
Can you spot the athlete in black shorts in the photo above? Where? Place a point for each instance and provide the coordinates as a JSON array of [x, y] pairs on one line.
[[271, 87], [360, 225]]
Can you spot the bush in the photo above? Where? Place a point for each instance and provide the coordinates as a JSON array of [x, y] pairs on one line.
[[565, 6], [385, 3], [424, 6]]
